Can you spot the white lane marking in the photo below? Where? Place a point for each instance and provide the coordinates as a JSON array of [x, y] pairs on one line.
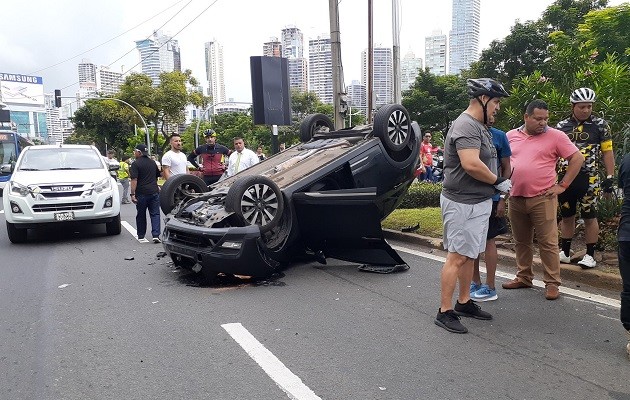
[[1, 211], [290, 383], [133, 231], [573, 292], [606, 316]]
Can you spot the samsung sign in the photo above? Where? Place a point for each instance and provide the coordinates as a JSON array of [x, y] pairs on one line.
[[21, 78], [21, 89]]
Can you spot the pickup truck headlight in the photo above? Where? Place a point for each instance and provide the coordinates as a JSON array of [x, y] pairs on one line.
[[104, 185], [19, 189]]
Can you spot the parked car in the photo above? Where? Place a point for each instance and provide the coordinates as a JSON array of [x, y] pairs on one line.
[[322, 198], [56, 184]]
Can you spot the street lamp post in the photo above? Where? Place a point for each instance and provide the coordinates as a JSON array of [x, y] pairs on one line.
[[146, 128]]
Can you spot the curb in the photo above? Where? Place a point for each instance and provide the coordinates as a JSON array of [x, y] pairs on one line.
[[591, 277]]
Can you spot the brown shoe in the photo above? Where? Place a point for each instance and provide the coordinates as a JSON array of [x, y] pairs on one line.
[[552, 292], [515, 284]]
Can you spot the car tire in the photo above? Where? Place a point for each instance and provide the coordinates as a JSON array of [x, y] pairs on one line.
[[255, 200], [312, 123], [114, 227], [16, 235], [393, 126], [178, 188]]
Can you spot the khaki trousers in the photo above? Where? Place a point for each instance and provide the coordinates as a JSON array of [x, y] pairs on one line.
[[529, 216]]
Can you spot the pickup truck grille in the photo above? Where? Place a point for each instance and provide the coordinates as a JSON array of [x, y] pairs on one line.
[[85, 205]]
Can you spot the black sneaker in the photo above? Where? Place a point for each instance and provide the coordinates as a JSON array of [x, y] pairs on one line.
[[450, 321], [472, 310]]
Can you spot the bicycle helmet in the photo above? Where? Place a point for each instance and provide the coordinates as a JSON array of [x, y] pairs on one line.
[[485, 86], [582, 95], [210, 132]]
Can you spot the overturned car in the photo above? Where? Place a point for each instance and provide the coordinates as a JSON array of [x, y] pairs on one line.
[[322, 198]]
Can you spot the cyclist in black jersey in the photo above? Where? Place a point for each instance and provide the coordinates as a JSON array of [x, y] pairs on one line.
[[592, 137]]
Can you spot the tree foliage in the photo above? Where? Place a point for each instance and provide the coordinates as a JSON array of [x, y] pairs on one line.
[[435, 101]]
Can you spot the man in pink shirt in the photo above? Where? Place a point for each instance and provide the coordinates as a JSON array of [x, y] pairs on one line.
[[533, 204]]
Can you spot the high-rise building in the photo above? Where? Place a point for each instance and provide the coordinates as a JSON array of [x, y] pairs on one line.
[[107, 81], [320, 68], [410, 67], [159, 53], [435, 53], [293, 50], [87, 72], [272, 48], [214, 71], [382, 75], [464, 35], [357, 96]]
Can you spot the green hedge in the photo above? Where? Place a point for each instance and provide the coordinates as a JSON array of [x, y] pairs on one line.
[[422, 194]]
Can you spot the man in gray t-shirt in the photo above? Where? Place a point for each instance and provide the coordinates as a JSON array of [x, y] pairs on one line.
[[470, 181]]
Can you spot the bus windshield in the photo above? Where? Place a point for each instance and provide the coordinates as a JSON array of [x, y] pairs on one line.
[[11, 144]]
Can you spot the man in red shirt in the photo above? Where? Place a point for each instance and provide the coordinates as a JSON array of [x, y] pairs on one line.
[[533, 202], [426, 155], [213, 156]]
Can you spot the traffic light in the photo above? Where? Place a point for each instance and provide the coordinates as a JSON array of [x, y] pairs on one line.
[[57, 98]]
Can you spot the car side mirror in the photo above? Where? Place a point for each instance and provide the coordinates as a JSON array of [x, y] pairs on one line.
[[7, 168], [114, 167]]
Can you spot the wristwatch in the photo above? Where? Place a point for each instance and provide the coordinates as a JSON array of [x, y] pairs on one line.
[[609, 176]]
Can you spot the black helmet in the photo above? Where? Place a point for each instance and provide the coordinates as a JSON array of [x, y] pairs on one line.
[[485, 86], [210, 132]]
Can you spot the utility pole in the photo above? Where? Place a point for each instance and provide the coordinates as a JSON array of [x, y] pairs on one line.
[[396, 49], [370, 71], [335, 49]]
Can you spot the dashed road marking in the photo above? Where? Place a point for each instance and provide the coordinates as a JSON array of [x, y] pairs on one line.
[[290, 383], [573, 292], [133, 231]]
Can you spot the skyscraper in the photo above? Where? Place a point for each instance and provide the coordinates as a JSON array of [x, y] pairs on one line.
[[382, 75], [214, 71], [158, 53], [435, 52], [357, 94], [293, 50], [320, 68], [272, 48], [410, 66], [97, 80], [464, 36]]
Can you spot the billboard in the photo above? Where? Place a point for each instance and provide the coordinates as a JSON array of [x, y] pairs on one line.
[[21, 89]]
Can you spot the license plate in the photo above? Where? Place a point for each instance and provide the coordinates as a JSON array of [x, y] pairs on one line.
[[64, 216]]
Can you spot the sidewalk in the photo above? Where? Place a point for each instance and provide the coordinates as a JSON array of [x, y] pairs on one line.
[[592, 277]]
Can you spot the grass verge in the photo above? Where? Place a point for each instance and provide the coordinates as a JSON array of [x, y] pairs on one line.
[[429, 218]]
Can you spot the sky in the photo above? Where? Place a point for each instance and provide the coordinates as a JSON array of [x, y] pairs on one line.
[[50, 38]]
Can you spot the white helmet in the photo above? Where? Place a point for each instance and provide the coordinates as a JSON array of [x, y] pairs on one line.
[[582, 95]]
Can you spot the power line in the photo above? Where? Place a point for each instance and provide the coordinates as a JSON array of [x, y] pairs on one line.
[[104, 43]]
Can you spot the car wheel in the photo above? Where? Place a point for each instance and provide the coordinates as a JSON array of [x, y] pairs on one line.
[[16, 235], [178, 188], [313, 123], [114, 227], [256, 200], [393, 126]]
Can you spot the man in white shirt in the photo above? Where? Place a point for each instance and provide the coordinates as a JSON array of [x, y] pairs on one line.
[[241, 158], [174, 161]]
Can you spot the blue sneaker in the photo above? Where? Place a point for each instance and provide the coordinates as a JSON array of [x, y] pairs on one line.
[[474, 287], [484, 293]]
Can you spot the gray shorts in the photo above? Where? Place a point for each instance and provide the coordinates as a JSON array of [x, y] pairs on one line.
[[465, 226]]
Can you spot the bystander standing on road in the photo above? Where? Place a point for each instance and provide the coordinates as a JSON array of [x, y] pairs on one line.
[[145, 192], [426, 155], [213, 158], [123, 178], [497, 224], [623, 236], [592, 137], [174, 161], [260, 154], [466, 200], [241, 158], [533, 203], [111, 158]]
